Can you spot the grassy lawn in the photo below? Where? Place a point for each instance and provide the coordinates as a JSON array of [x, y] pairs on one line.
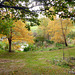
[[33, 63]]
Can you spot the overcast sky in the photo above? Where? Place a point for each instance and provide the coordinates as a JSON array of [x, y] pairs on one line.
[[34, 8]]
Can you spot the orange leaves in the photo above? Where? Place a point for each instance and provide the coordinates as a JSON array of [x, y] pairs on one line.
[[1, 35], [55, 29], [21, 33]]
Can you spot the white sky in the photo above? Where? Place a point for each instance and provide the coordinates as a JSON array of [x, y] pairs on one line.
[[36, 8]]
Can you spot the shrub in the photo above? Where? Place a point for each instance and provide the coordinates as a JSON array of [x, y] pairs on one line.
[[54, 48], [6, 47], [40, 39], [36, 40], [65, 64], [50, 42], [59, 45], [71, 45], [50, 49], [2, 45], [71, 35], [30, 48], [26, 49], [61, 63]]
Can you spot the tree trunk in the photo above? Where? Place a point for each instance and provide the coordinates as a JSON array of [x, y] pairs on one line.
[[65, 40], [64, 36], [66, 43], [9, 40]]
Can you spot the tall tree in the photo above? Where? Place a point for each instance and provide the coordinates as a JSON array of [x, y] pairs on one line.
[[15, 31], [59, 29]]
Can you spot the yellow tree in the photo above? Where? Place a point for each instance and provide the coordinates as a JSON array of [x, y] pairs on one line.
[[58, 30], [15, 31]]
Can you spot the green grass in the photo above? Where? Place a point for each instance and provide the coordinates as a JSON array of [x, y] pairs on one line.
[[33, 62]]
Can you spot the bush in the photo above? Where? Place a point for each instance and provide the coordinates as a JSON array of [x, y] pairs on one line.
[[40, 39], [70, 46], [2, 45], [59, 45], [50, 49], [36, 40], [50, 42], [61, 63], [54, 48], [6, 47], [29, 48], [65, 64], [71, 35]]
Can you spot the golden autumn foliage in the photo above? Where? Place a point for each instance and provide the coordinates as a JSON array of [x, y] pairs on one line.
[[19, 33], [56, 29], [16, 47], [14, 31]]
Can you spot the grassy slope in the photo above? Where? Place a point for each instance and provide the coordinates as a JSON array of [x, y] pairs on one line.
[[33, 63]]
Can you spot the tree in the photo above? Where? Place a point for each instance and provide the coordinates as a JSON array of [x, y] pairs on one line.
[[15, 31], [42, 29], [59, 6], [19, 9], [23, 11], [59, 29], [42, 33]]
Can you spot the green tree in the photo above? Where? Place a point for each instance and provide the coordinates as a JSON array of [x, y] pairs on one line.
[[42, 29], [14, 32], [59, 6], [6, 29], [19, 10]]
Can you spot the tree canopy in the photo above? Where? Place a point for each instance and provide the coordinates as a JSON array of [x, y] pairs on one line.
[[59, 29], [20, 10], [15, 31], [58, 5]]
